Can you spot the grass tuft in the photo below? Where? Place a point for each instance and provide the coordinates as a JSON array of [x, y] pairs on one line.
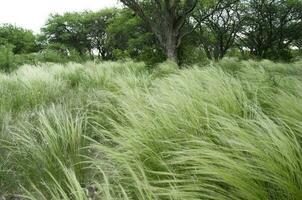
[[228, 130]]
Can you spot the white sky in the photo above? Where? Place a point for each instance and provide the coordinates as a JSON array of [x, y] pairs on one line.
[[32, 14]]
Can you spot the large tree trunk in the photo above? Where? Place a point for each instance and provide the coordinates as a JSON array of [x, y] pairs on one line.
[[172, 54], [170, 39], [166, 21], [171, 49]]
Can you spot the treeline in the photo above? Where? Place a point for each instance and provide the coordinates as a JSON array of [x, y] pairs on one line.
[[185, 31]]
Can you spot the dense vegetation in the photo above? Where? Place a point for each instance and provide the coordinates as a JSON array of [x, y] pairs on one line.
[[187, 31], [228, 130], [159, 99]]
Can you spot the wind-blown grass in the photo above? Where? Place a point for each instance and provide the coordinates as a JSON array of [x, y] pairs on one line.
[[230, 130]]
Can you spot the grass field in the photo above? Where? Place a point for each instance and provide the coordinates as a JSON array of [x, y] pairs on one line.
[[230, 130]]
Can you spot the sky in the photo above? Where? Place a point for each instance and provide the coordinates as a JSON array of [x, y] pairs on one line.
[[32, 14]]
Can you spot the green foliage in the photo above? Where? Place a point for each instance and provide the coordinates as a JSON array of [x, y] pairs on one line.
[[188, 32], [166, 20], [273, 36], [220, 23], [189, 55], [67, 30], [23, 41], [79, 31], [150, 31], [129, 38], [107, 34], [50, 55], [6, 58], [228, 130]]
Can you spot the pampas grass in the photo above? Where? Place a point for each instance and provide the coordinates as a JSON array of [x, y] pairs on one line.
[[113, 130]]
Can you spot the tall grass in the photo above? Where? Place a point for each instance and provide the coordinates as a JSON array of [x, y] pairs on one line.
[[230, 130]]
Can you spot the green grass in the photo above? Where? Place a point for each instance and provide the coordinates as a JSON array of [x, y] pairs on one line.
[[229, 130]]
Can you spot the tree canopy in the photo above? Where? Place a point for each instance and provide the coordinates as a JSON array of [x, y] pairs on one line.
[[22, 40], [184, 31], [166, 19]]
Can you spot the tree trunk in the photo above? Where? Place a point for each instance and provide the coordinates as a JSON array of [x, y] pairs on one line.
[[170, 41], [171, 52]]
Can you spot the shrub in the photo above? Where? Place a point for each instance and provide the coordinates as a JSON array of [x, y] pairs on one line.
[[7, 57]]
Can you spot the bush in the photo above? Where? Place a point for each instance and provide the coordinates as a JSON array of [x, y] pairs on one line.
[[7, 57], [189, 55], [49, 55]]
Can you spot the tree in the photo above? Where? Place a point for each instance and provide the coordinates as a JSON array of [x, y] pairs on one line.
[[67, 30], [96, 25], [61, 36], [219, 26], [166, 19], [84, 32], [21, 40], [271, 27], [128, 36], [7, 58]]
